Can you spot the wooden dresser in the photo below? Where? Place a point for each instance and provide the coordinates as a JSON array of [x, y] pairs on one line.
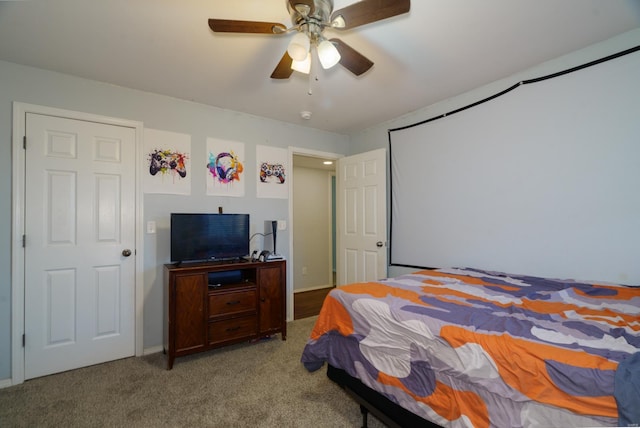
[[210, 305]]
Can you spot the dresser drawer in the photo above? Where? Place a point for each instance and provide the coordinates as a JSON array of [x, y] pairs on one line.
[[232, 303], [235, 328]]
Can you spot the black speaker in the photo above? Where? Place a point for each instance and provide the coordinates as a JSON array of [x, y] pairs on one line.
[[274, 231]]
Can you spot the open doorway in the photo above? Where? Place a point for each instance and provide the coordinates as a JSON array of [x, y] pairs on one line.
[[313, 263]]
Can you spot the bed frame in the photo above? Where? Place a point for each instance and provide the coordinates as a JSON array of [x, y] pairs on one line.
[[390, 413]]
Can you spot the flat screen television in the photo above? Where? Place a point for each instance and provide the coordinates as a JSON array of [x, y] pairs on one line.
[[202, 237]]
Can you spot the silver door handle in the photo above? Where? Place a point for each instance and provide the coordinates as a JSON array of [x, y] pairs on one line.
[[126, 252]]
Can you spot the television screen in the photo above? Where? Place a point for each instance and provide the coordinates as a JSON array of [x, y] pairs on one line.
[[199, 237]]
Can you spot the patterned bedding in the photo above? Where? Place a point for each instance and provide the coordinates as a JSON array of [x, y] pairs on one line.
[[465, 347]]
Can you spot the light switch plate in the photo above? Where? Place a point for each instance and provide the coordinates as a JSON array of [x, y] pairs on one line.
[[282, 224], [151, 227]]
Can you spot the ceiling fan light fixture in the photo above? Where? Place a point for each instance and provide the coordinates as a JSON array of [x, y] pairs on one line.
[[309, 19], [303, 9], [302, 66], [338, 22], [299, 47], [328, 54]]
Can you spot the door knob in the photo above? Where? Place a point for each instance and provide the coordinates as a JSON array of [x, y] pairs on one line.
[[126, 252], [379, 244]]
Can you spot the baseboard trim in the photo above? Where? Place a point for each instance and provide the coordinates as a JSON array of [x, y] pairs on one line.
[[153, 350], [5, 383], [317, 287]]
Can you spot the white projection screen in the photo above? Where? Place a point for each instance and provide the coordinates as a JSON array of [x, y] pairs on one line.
[[541, 180]]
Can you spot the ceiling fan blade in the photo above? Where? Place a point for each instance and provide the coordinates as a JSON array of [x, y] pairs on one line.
[[351, 59], [283, 70], [367, 11], [308, 3], [232, 26]]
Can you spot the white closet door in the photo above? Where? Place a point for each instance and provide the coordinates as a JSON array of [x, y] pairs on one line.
[[79, 246]]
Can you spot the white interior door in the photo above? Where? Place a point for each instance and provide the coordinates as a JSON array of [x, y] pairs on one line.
[[79, 228], [361, 217]]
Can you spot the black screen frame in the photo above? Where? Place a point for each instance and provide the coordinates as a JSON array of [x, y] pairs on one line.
[[198, 237]]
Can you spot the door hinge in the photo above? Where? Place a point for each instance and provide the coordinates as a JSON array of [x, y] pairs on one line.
[[24, 241], [24, 142], [23, 340]]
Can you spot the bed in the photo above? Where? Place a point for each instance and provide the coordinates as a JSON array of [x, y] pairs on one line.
[[467, 347]]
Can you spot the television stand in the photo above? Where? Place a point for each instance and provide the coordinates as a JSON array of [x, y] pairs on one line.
[[213, 304]]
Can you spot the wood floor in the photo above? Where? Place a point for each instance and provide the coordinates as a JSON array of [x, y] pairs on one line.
[[308, 303]]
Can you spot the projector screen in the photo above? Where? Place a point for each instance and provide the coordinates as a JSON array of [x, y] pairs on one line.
[[543, 179]]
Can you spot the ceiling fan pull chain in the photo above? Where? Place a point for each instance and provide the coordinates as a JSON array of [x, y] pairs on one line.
[[311, 73]]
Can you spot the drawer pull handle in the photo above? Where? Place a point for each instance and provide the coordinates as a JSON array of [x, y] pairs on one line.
[[235, 302], [233, 328]]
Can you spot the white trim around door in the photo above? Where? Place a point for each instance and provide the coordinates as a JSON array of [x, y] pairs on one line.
[[304, 152]]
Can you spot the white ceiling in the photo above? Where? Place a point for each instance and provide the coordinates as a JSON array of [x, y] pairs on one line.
[[314, 162], [441, 48]]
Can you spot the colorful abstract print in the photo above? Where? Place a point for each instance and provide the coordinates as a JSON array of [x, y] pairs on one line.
[[463, 347], [225, 167]]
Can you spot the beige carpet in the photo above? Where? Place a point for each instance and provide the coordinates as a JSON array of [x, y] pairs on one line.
[[260, 384]]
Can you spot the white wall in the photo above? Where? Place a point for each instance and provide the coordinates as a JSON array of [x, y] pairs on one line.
[[377, 136], [36, 86], [312, 222]]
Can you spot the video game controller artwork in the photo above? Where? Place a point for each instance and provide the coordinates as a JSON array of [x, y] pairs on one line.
[[167, 162], [272, 171]]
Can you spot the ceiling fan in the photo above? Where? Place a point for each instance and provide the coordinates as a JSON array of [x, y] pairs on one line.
[[310, 18]]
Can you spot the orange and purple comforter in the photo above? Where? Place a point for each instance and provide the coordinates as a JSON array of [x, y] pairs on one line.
[[464, 347]]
